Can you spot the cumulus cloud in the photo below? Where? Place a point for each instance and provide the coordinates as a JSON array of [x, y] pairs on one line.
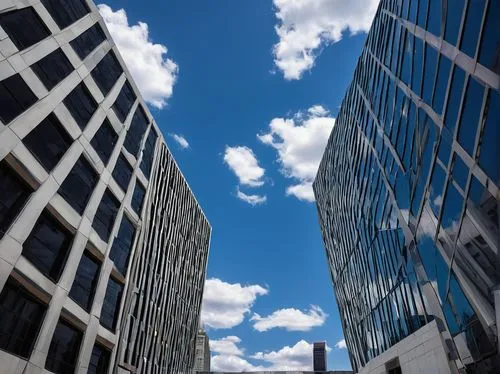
[[225, 305], [243, 162], [341, 344], [231, 363], [300, 142], [291, 319], [154, 73], [226, 346], [298, 357], [181, 140], [305, 27], [251, 199]]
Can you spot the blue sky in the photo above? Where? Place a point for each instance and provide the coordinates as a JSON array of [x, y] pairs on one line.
[[246, 93]]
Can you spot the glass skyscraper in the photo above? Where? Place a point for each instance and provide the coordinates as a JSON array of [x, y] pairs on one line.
[[408, 190]]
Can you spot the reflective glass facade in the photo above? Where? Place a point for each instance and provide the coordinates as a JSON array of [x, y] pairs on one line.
[[408, 188]]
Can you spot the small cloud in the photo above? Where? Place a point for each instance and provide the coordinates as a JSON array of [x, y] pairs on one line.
[[341, 344], [243, 162], [226, 346], [181, 140], [251, 199], [291, 319]]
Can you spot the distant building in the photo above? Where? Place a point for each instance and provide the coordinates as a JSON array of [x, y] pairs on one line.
[[202, 354], [278, 372], [319, 356]]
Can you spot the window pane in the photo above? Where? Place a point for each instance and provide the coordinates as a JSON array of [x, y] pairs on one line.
[[88, 41], [53, 68], [107, 72], [453, 21], [21, 316], [124, 102], [434, 20], [81, 105], [460, 172], [99, 361], [489, 53], [422, 13], [104, 141], [64, 348], [79, 184], [122, 172], [24, 27], [122, 246], [56, 141], [429, 73], [65, 12], [470, 115], [13, 194], [48, 246], [148, 153], [111, 304], [15, 98], [472, 27], [105, 215], [136, 131], [489, 152], [441, 84], [138, 197], [85, 283], [454, 98], [418, 65]]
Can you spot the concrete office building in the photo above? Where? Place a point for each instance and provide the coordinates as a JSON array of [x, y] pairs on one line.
[[202, 354], [408, 190], [319, 356], [103, 247]]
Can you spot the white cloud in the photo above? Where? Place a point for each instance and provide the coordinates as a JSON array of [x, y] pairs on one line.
[[306, 26], [251, 199], [154, 73], [291, 319], [298, 357], [300, 142], [231, 363], [181, 140], [341, 344], [243, 162], [226, 346], [225, 305]]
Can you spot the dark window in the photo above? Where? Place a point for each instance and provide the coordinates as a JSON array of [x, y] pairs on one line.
[[453, 21], [471, 112], [24, 27], [148, 153], [489, 153], [104, 141], [489, 53], [111, 304], [85, 283], [443, 76], [429, 73], [13, 194], [65, 12], [122, 246], [48, 246], [53, 68], [136, 131], [105, 215], [79, 184], [122, 172], [434, 20], [88, 41], [64, 348], [107, 72], [472, 27], [124, 102], [454, 98], [15, 98], [99, 361], [81, 105], [138, 197], [21, 316], [56, 141]]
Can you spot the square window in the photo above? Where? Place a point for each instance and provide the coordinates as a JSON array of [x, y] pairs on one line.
[[79, 184], [138, 197], [81, 105], [105, 215], [124, 102], [471, 112], [24, 27], [64, 348], [56, 141], [122, 245], [99, 361], [85, 283], [53, 68], [107, 72], [148, 153], [13, 195], [111, 305], [122, 172], [48, 246], [65, 12], [104, 141], [88, 41], [136, 131], [15, 98], [21, 316]]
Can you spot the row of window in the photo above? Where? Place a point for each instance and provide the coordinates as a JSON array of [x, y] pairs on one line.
[[21, 316]]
